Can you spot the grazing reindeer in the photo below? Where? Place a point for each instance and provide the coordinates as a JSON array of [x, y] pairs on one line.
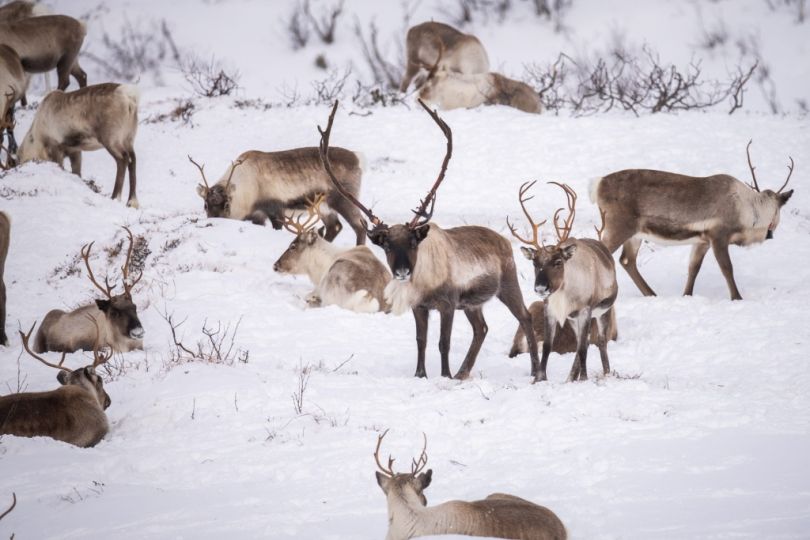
[[13, 84], [21, 9], [577, 280], [46, 43], [438, 47], [449, 90], [116, 316], [73, 413], [499, 515], [566, 339], [261, 185], [5, 239], [443, 269], [671, 208], [353, 278], [95, 117]]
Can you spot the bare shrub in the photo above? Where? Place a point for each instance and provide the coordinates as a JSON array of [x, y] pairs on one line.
[[384, 72], [257, 103], [554, 10], [331, 88], [325, 23], [798, 7], [182, 112], [374, 95], [217, 345], [304, 372], [713, 37], [750, 46], [208, 78], [298, 26], [549, 82]]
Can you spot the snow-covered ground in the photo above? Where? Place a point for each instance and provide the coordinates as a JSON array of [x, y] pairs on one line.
[[702, 432]]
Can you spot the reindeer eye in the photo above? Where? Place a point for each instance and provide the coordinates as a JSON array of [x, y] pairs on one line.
[[293, 246], [558, 263]]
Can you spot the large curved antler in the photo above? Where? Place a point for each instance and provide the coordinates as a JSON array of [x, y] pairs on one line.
[[417, 465], [790, 173], [755, 187], [422, 215], [535, 242], [388, 471], [99, 357], [202, 172], [107, 288], [125, 266], [564, 230], [313, 216], [25, 338]]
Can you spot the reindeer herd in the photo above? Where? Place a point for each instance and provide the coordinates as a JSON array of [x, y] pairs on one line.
[[308, 190]]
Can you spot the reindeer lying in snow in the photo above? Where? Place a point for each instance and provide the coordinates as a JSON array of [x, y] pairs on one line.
[[499, 515], [449, 90], [353, 278]]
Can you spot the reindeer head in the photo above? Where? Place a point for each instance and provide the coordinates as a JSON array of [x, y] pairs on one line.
[[120, 310], [400, 242], [549, 261], [777, 198], [217, 198], [410, 486], [84, 377], [306, 239]]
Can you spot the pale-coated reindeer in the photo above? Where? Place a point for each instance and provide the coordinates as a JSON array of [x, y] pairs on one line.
[[95, 117], [669, 208], [261, 185], [433, 47], [448, 90], [72, 413], [576, 279], [352, 278], [13, 84], [499, 515], [5, 240], [48, 42], [443, 269], [21, 9], [115, 315]]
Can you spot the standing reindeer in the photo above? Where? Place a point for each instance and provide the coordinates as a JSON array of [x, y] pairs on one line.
[[261, 185], [353, 278], [13, 84], [114, 317], [435, 47], [577, 280], [714, 211], [95, 117], [442, 269], [449, 90], [499, 515], [73, 413]]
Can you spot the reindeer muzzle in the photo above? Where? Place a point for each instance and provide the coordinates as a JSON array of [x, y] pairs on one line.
[[769, 235], [137, 332], [402, 274]]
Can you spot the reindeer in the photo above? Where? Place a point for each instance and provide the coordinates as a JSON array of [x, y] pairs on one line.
[[21, 9], [73, 413], [116, 316], [261, 185], [435, 47], [449, 90], [353, 278], [499, 515], [672, 208], [5, 239], [442, 269], [95, 117], [46, 43], [577, 280], [566, 339], [13, 84]]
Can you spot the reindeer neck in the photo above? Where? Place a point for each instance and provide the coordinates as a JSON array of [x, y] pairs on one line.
[[320, 259]]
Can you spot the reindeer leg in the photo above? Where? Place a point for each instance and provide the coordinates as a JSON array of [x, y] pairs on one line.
[[76, 162], [602, 325], [479, 325], [132, 201], [720, 248], [351, 214], [550, 332], [581, 325], [120, 169], [512, 298], [628, 261], [420, 315], [447, 313], [78, 74], [410, 73], [331, 227], [695, 262]]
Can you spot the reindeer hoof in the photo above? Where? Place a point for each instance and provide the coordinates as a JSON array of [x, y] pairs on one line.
[[421, 374], [462, 375], [133, 203], [313, 300], [540, 377]]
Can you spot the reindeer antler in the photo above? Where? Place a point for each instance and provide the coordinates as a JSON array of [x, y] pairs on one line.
[[386, 471], [564, 230], [422, 215], [600, 230], [313, 211], [107, 288], [234, 165], [755, 187], [125, 266], [99, 358], [202, 171], [25, 338], [535, 241], [10, 508], [790, 172], [417, 465]]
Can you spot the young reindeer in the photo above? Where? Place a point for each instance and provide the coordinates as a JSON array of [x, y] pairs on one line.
[[435, 47], [499, 515], [668, 208], [261, 185], [353, 278], [115, 317], [95, 117], [73, 413], [576, 279], [449, 90], [442, 269]]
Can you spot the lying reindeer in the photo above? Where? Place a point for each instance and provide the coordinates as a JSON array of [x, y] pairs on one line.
[[73, 413], [261, 185], [13, 84], [95, 117], [448, 90], [115, 317], [353, 278], [434, 47], [577, 280], [499, 515], [714, 211], [442, 269]]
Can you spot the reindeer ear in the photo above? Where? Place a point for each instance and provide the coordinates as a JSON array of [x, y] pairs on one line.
[[202, 191], [103, 305], [529, 253], [568, 251], [310, 237], [785, 197], [382, 481], [425, 478], [231, 189], [420, 233], [377, 236], [62, 377]]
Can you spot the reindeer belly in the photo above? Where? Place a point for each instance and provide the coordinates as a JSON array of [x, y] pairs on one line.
[[78, 140], [668, 233]]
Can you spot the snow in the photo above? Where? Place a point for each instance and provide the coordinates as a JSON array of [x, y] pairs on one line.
[[701, 433]]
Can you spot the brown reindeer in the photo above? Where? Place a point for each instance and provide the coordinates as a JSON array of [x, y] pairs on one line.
[[95, 117], [714, 211], [442, 269], [46, 43], [21, 9], [5, 240], [13, 84], [115, 316], [499, 515], [352, 278], [73, 413], [449, 90], [435, 47], [576, 279], [261, 185]]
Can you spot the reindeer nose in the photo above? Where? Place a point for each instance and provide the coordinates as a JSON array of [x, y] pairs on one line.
[[275, 267], [137, 332], [402, 274]]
